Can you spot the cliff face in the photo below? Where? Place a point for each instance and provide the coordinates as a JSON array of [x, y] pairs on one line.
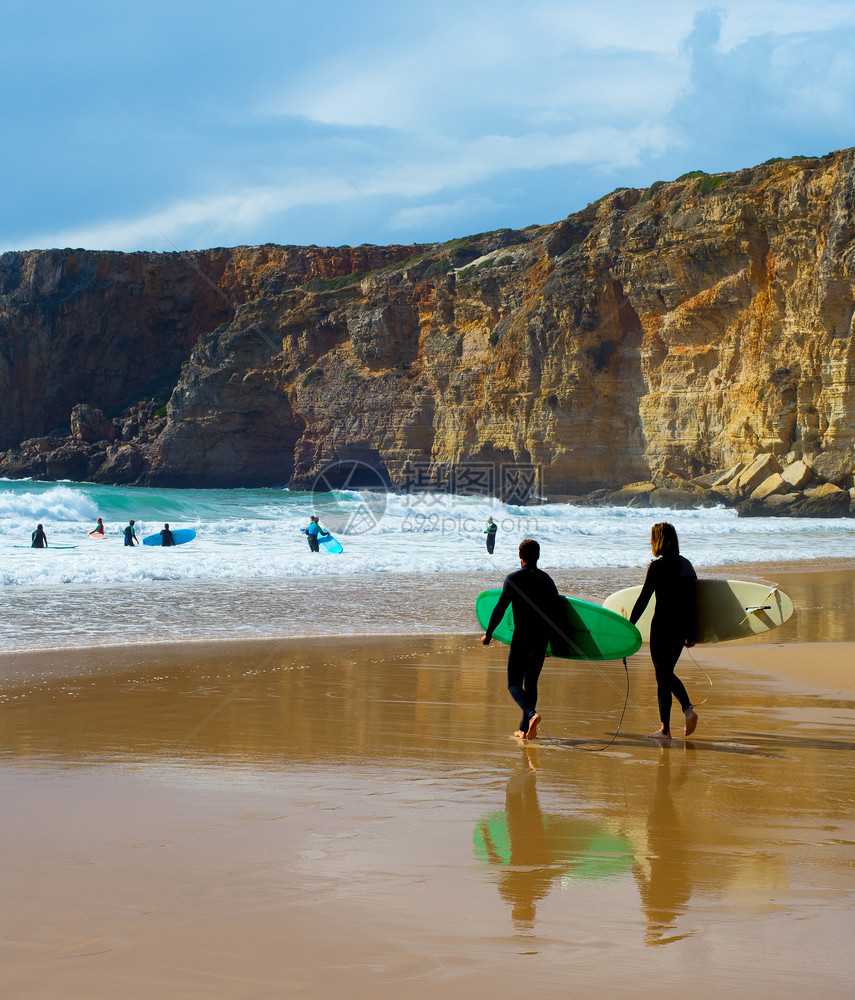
[[675, 330]]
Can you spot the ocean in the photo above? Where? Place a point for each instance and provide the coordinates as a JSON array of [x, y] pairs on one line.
[[410, 562]]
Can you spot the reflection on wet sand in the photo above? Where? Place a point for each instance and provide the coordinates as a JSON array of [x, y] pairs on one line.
[[318, 804], [534, 850], [664, 871]]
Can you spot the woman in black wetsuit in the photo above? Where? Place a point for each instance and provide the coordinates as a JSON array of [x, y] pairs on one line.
[[672, 579]]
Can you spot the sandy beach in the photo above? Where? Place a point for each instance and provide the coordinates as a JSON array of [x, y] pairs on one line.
[[351, 817]]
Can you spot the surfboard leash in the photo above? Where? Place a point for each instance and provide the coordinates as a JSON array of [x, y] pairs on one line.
[[698, 704], [564, 746]]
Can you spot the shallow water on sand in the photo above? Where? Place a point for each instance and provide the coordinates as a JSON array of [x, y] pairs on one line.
[[229, 821], [88, 615]]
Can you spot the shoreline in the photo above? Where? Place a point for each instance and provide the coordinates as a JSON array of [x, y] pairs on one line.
[[790, 653], [335, 608], [794, 665]]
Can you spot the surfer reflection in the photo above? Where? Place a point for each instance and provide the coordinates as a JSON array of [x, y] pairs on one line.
[[664, 873], [534, 850]]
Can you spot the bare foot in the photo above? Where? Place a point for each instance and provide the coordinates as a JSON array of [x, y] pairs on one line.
[[533, 723], [520, 735], [691, 721], [660, 734]]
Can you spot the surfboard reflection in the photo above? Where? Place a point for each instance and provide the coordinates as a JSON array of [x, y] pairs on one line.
[[534, 850]]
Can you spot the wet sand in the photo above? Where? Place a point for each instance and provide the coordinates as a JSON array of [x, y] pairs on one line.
[[352, 818]]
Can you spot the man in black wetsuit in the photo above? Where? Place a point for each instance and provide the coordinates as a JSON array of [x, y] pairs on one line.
[[166, 536], [131, 534], [534, 597], [490, 531], [39, 538]]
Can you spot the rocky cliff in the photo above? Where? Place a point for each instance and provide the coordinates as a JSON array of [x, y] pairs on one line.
[[657, 336]]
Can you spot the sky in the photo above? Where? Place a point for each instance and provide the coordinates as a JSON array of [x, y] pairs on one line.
[[187, 125]]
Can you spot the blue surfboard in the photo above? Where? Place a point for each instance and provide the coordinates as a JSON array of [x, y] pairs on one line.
[[329, 544], [181, 535]]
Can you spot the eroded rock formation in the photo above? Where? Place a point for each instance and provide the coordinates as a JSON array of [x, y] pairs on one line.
[[655, 337]]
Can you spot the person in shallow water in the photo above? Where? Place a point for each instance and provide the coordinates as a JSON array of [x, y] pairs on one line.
[[131, 534], [672, 578], [533, 596], [490, 532], [39, 538], [98, 529], [166, 537], [314, 531]]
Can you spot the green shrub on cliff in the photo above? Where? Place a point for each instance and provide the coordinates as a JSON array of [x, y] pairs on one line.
[[439, 268], [652, 190], [708, 184], [623, 187]]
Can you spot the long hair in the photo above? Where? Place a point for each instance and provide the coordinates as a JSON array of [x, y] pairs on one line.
[[663, 540]]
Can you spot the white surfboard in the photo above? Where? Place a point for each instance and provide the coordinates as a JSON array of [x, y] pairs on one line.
[[727, 609]]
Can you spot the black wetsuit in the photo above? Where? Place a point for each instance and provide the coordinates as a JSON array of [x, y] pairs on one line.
[[533, 596], [166, 537], [130, 535], [39, 539], [313, 536], [672, 579], [491, 538]]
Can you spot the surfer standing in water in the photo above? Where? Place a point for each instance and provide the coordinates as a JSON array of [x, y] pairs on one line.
[[490, 532], [39, 538], [672, 579], [533, 596], [313, 531]]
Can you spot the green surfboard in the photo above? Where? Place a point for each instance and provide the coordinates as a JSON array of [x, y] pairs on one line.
[[570, 846], [581, 631]]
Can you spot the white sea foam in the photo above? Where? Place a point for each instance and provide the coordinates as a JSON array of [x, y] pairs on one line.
[[253, 535]]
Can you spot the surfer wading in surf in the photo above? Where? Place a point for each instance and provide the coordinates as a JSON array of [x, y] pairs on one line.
[[533, 597], [315, 533], [673, 580]]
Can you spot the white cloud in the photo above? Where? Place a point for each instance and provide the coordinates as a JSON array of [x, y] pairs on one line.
[[433, 167], [406, 105], [482, 58], [777, 18], [426, 216]]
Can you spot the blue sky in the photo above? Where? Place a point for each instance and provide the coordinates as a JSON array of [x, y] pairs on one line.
[[190, 125]]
